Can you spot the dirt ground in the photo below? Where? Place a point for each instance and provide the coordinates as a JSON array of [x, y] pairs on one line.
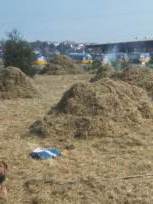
[[95, 171]]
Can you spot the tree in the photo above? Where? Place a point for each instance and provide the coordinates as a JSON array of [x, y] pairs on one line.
[[18, 52]]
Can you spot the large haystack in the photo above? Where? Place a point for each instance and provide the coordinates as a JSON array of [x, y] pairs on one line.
[[103, 72], [61, 65], [139, 76], [104, 108], [15, 84]]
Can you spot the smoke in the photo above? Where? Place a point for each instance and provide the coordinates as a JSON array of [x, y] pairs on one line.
[[111, 55]]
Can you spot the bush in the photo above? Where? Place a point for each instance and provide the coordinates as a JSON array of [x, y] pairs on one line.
[[94, 66], [18, 53]]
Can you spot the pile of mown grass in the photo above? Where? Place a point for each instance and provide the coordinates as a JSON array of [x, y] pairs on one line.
[[103, 72], [139, 76], [103, 108], [15, 84], [90, 189], [61, 65], [134, 75]]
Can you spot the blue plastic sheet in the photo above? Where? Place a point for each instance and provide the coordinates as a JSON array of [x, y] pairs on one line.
[[46, 153]]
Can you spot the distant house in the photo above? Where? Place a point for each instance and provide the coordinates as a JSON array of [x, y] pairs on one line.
[[84, 58], [39, 59]]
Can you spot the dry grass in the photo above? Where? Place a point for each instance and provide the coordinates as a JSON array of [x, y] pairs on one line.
[[134, 74], [15, 84], [89, 110], [94, 172], [62, 65], [103, 72], [139, 76]]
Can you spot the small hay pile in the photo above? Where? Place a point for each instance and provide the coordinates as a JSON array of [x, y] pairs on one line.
[[103, 72], [139, 76], [15, 84], [61, 65], [103, 108]]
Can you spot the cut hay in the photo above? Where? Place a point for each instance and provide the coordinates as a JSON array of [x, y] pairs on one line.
[[139, 76], [103, 72], [104, 108], [61, 65], [134, 75], [15, 84]]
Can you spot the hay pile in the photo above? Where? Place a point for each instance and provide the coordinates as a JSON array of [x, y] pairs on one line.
[[134, 75], [61, 65], [103, 108], [103, 72], [15, 84], [139, 76]]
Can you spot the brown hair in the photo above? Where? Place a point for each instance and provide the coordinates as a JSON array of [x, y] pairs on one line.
[[4, 164]]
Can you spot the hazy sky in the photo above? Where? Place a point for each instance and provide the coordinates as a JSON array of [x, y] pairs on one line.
[[79, 20]]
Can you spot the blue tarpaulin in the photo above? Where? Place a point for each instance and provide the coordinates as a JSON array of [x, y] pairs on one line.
[[45, 153]]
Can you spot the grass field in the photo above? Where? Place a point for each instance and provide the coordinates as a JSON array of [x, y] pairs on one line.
[[94, 172]]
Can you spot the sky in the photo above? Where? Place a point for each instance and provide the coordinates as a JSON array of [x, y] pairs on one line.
[[95, 21]]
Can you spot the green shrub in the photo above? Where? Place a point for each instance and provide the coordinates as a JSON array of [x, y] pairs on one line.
[[18, 53], [94, 66]]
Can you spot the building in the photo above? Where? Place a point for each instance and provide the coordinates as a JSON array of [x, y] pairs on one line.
[[134, 52], [84, 58], [39, 58], [124, 47]]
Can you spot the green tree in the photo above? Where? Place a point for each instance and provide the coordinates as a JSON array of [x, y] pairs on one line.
[[18, 52]]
